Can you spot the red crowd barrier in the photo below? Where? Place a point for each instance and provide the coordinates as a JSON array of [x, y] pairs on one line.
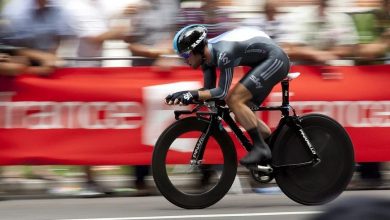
[[93, 116]]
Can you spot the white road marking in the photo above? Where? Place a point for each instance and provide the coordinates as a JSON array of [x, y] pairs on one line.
[[203, 216]]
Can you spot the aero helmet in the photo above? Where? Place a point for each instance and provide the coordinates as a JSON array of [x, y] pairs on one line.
[[190, 38]]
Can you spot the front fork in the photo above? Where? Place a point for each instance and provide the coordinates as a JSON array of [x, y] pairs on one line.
[[200, 146]]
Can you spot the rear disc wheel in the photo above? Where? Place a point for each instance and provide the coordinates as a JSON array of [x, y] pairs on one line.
[[314, 185]]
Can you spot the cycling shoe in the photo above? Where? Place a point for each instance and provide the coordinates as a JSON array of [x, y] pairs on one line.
[[258, 155]]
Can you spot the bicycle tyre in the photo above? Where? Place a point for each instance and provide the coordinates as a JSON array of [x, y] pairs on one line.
[[314, 185], [162, 180]]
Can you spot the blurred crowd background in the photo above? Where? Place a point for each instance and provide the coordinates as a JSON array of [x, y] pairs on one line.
[[38, 36], [55, 30]]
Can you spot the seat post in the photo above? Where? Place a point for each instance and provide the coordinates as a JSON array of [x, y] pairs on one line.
[[285, 93], [285, 108]]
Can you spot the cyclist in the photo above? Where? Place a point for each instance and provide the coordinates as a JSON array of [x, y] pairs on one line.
[[239, 47]]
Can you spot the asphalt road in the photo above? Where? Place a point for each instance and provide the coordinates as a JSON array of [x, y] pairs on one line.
[[240, 206]]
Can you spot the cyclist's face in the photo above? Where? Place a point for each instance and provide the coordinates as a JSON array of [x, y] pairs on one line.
[[194, 60]]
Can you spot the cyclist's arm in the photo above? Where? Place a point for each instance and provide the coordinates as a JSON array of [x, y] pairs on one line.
[[222, 90], [209, 77], [226, 66]]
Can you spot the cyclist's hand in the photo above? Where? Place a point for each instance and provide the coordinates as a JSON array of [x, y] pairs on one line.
[[170, 99], [187, 98], [182, 98]]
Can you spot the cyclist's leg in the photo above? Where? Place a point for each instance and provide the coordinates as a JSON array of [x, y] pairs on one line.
[[259, 83], [262, 128], [237, 102]]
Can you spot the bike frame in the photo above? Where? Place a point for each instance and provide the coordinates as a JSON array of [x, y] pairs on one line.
[[218, 113]]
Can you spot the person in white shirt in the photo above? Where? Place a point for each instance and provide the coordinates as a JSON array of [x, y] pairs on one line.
[[91, 25], [316, 34], [270, 21]]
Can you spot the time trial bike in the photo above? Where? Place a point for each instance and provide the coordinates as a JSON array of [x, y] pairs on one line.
[[194, 161]]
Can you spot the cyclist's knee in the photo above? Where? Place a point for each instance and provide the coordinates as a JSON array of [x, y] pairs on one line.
[[238, 96], [235, 100]]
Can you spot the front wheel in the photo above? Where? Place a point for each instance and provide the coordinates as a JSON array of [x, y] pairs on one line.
[[314, 185], [196, 186]]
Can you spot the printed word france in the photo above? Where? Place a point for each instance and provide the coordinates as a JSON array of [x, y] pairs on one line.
[[70, 115]]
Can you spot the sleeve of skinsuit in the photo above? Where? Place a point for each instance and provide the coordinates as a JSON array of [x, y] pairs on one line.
[[226, 65], [209, 77]]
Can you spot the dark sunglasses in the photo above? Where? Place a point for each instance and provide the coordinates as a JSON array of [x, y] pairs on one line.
[[186, 54]]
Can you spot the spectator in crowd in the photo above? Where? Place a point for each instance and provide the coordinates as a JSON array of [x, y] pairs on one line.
[[9, 66], [152, 25], [377, 46], [15, 61], [91, 26], [318, 35], [36, 26], [373, 39], [270, 21], [90, 22], [382, 15], [210, 13], [151, 31], [321, 36]]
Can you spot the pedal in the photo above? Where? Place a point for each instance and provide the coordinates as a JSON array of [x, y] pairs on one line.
[[261, 177], [264, 169]]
